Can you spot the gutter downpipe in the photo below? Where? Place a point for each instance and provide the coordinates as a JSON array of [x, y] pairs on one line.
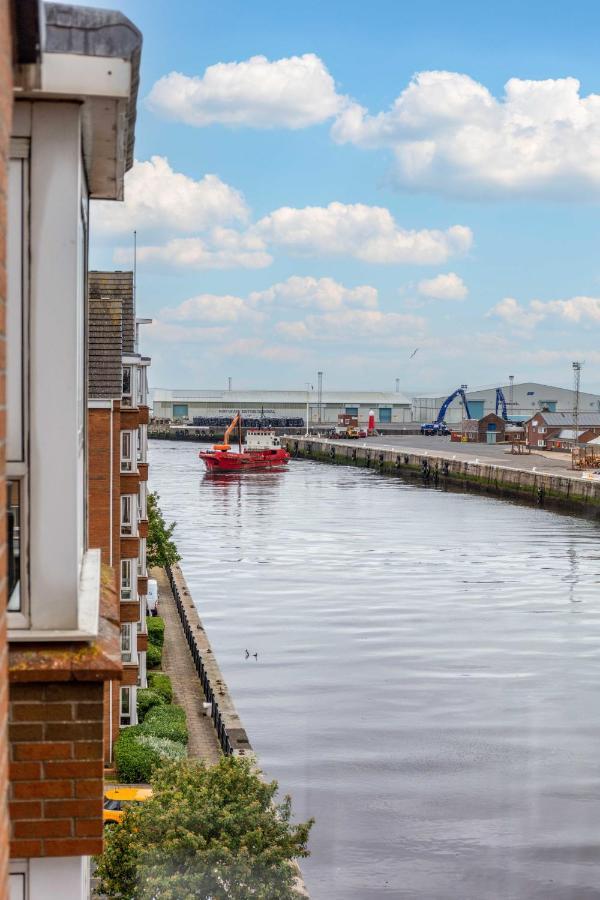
[[110, 556]]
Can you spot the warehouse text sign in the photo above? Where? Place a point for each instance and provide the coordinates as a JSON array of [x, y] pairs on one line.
[[246, 412]]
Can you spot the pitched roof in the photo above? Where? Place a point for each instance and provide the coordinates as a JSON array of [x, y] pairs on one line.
[[105, 349], [567, 419], [116, 286]]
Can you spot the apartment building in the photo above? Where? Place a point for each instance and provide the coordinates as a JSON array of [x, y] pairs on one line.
[[73, 116], [118, 416]]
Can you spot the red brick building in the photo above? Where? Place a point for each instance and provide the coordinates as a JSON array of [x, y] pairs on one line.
[[73, 116], [118, 416], [543, 430]]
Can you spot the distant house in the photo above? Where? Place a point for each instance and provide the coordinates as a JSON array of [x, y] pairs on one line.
[[556, 430], [490, 429]]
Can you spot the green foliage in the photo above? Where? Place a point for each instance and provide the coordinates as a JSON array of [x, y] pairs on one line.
[[156, 630], [153, 657], [167, 722], [161, 683], [134, 762], [207, 833], [160, 546], [146, 700], [138, 753], [165, 747]]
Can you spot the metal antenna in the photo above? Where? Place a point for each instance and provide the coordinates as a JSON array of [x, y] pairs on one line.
[[134, 268], [320, 394], [576, 386]]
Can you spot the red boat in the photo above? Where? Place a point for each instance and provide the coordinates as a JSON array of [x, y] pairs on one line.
[[262, 450]]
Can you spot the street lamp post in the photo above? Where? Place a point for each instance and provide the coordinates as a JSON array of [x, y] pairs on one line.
[[309, 388]]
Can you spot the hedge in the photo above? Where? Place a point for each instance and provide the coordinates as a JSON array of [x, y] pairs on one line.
[[138, 754], [167, 722], [153, 657], [156, 630], [161, 684], [146, 700]]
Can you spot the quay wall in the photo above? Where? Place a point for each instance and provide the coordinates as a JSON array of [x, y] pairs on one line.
[[228, 725], [542, 489]]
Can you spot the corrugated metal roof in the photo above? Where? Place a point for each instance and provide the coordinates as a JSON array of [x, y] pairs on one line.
[[587, 420], [568, 434], [254, 396]]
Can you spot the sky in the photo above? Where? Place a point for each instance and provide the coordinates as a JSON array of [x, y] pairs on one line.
[[334, 185]]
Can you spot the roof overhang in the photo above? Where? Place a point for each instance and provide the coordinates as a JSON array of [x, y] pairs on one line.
[[92, 56]]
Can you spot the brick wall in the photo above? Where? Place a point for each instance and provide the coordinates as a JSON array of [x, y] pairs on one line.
[[56, 768], [104, 493], [5, 129]]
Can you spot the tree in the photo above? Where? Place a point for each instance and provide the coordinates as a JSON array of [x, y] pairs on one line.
[[207, 833], [161, 549]]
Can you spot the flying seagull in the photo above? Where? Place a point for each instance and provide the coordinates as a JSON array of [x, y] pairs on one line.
[[414, 353]]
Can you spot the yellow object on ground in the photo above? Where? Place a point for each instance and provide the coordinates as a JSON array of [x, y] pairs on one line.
[[118, 797]]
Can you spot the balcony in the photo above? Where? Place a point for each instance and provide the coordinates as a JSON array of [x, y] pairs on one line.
[[130, 418], [130, 546], [142, 585], [144, 415], [129, 611], [142, 642], [130, 675], [143, 528], [130, 482], [143, 471]]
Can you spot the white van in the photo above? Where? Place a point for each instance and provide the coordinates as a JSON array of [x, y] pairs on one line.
[[152, 597]]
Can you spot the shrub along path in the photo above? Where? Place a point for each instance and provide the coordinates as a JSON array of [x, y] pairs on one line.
[[178, 664]]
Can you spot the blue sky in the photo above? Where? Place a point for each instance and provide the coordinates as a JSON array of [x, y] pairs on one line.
[[465, 223]]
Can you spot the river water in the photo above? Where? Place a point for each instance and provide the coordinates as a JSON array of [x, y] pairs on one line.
[[428, 676]]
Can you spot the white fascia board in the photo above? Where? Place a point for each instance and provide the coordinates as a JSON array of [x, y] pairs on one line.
[[131, 359], [71, 75], [100, 404], [88, 610]]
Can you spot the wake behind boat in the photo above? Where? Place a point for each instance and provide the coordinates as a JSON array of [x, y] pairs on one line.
[[262, 450]]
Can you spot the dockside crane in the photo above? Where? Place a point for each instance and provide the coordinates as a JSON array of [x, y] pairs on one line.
[[501, 402], [439, 426]]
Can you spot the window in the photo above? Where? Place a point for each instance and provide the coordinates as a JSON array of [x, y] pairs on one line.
[[126, 642], [542, 430], [126, 706], [352, 411], [13, 536], [126, 579], [541, 443], [127, 457], [180, 411], [128, 524], [127, 385]]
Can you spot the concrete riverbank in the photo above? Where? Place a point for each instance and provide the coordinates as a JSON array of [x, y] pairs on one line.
[[460, 468]]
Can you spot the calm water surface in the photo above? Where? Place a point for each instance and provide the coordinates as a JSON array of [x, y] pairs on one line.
[[428, 674]]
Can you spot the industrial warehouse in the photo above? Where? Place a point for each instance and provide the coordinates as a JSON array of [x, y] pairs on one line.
[[313, 407]]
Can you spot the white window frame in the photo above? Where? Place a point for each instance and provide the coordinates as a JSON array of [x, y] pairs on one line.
[[127, 644], [541, 443], [127, 395], [128, 451], [17, 362], [128, 515], [126, 710], [128, 580]]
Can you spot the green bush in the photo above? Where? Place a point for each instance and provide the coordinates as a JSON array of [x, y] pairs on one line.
[[134, 762], [161, 684], [167, 722], [156, 630], [146, 700], [153, 657], [138, 754]]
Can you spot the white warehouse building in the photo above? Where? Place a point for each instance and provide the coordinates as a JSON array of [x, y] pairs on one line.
[[523, 400], [185, 405]]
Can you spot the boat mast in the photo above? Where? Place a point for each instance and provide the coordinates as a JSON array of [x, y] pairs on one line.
[[240, 429]]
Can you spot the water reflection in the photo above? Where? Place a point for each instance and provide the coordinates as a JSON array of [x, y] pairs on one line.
[[427, 676]]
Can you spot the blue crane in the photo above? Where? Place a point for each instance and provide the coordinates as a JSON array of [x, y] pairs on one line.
[[439, 426], [501, 401]]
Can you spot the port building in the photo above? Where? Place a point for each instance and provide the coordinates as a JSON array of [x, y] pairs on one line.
[[523, 400], [324, 408]]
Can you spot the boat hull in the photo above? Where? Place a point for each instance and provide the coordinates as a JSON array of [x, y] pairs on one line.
[[219, 461]]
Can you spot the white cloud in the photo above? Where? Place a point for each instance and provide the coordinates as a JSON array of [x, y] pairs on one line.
[[369, 233], [449, 133], [156, 197], [355, 325], [210, 308], [444, 287], [222, 249], [286, 93], [320, 293], [172, 333], [513, 314], [573, 310]]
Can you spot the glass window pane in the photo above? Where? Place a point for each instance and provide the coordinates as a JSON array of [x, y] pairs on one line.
[[13, 526]]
